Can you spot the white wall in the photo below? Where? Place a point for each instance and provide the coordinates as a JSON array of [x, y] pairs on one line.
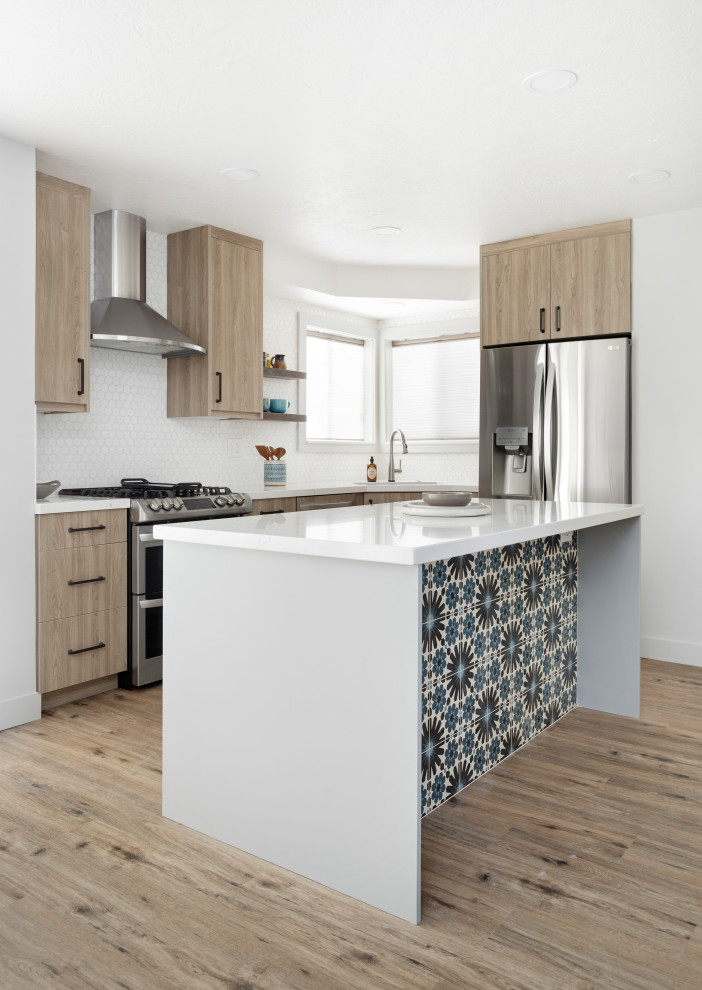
[[667, 421], [126, 431], [19, 701]]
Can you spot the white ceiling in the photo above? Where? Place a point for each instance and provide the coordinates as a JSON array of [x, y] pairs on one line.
[[361, 113]]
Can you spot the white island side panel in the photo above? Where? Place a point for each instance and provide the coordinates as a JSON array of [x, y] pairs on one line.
[[292, 714]]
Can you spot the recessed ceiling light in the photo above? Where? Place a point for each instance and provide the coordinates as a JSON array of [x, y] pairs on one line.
[[241, 174], [550, 80], [386, 231], [649, 176], [393, 306]]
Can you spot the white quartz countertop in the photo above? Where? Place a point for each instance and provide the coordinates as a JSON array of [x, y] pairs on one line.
[[56, 503], [385, 534], [65, 503], [362, 487]]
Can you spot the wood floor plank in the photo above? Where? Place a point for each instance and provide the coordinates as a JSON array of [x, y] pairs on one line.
[[574, 865]]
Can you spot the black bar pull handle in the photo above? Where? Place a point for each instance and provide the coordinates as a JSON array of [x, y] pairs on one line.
[[87, 580], [558, 319], [81, 390], [270, 512], [87, 649], [84, 529], [219, 395], [542, 320]]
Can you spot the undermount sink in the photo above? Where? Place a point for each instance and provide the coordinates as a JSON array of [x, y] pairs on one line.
[[399, 482]]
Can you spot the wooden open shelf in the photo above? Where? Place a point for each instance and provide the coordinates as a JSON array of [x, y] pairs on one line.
[[291, 417], [283, 373]]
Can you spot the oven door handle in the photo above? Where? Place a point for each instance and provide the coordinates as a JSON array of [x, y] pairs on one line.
[[151, 603], [149, 538]]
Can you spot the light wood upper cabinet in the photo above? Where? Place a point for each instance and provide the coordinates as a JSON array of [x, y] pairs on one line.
[[573, 283], [62, 295], [515, 295], [215, 296], [591, 286]]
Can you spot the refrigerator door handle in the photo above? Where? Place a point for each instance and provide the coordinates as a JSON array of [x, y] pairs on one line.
[[537, 435], [549, 419]]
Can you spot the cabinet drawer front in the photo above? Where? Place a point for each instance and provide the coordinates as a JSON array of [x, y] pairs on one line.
[[329, 501], [88, 579], [98, 645], [264, 506], [67, 530]]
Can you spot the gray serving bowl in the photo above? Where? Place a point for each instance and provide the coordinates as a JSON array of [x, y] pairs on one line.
[[46, 488], [454, 499]]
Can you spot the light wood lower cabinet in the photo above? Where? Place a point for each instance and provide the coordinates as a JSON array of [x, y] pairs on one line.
[[68, 530], [81, 597], [81, 648], [380, 498], [89, 579], [270, 506], [338, 500]]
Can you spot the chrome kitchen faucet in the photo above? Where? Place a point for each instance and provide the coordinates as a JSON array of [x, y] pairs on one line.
[[392, 470]]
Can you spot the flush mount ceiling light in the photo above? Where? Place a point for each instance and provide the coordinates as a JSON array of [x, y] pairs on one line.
[[550, 81], [386, 231], [241, 174], [649, 176], [393, 306]]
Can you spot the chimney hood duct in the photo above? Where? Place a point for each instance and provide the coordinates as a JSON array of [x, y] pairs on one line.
[[119, 316]]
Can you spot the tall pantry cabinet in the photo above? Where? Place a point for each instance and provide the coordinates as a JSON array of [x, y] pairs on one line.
[[215, 296]]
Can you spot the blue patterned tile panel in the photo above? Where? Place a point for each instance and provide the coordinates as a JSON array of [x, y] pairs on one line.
[[499, 657]]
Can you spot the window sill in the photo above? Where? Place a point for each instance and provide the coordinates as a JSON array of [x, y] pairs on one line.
[[434, 447]]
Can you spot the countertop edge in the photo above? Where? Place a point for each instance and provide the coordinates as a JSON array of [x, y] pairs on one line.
[[55, 504], [375, 553]]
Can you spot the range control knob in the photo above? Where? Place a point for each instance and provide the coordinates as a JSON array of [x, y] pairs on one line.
[[230, 500], [239, 499], [167, 503], [155, 504], [178, 503], [221, 500]]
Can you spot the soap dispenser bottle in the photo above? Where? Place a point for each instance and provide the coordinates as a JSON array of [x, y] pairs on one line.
[[372, 471]]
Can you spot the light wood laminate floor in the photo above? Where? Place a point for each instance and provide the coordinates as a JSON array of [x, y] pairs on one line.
[[575, 864]]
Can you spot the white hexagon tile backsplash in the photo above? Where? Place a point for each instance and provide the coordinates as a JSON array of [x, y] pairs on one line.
[[127, 434]]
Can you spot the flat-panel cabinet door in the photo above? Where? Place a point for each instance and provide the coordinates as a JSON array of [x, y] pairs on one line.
[[515, 296], [591, 286], [62, 295], [237, 338]]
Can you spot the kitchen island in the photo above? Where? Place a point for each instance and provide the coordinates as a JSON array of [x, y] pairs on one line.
[[331, 677]]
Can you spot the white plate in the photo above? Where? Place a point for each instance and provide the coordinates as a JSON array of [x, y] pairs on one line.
[[419, 508]]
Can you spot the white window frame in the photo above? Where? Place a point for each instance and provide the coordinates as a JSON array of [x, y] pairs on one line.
[[340, 328], [442, 328]]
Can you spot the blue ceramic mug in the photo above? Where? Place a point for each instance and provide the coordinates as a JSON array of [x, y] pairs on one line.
[[279, 405]]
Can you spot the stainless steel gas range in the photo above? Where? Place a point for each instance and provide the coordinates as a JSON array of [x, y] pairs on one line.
[[156, 503]]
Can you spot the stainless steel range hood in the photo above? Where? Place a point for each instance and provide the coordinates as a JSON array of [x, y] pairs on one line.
[[119, 316]]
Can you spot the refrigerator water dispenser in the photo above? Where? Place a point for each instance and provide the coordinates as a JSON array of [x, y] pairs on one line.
[[511, 461]]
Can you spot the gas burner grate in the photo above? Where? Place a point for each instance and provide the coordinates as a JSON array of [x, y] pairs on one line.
[[141, 488]]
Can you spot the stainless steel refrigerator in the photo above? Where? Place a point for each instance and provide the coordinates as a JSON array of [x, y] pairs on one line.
[[555, 421]]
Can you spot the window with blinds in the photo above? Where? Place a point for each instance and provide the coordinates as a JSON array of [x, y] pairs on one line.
[[436, 387], [335, 386]]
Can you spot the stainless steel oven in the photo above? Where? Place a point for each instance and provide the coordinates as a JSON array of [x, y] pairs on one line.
[[146, 607]]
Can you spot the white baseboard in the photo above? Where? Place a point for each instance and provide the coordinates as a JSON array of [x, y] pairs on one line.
[[17, 711], [672, 650]]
